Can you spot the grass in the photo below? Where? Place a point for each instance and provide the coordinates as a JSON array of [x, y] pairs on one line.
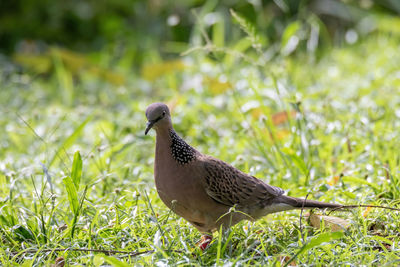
[[76, 178]]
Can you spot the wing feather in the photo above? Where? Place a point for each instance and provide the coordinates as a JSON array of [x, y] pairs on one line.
[[227, 185]]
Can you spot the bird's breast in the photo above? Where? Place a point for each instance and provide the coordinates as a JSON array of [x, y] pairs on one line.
[[174, 183], [180, 188]]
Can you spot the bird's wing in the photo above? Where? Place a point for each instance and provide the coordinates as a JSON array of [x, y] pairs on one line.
[[227, 185]]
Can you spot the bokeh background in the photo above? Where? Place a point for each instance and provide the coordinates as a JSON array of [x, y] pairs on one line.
[[136, 32]]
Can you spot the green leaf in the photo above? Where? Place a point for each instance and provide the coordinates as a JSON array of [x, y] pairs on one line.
[[98, 260], [76, 172], [290, 31], [115, 262], [22, 233], [322, 238], [349, 194], [70, 140], [316, 241], [290, 40], [27, 263], [72, 195], [218, 33]]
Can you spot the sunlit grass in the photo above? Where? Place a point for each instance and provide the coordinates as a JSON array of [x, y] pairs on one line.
[[336, 140]]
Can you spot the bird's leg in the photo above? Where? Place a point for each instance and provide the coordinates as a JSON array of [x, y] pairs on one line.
[[204, 241]]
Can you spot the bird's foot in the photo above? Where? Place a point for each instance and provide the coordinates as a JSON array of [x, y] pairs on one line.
[[204, 242]]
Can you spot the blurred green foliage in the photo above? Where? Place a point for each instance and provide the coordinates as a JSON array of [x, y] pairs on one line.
[[169, 26]]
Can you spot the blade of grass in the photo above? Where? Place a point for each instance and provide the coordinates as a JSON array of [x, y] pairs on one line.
[[76, 172], [76, 215], [297, 161], [72, 194], [219, 245], [227, 241]]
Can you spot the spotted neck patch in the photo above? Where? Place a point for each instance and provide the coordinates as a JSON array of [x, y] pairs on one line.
[[181, 151]]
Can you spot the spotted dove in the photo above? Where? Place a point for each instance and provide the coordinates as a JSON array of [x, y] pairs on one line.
[[206, 191]]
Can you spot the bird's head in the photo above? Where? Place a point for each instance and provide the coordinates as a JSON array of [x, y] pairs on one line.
[[157, 114]]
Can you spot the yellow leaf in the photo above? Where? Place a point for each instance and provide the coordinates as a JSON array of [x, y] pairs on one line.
[[366, 211], [38, 63], [153, 71], [108, 75], [74, 62], [333, 223], [282, 134], [334, 180], [217, 86], [257, 112], [282, 117]]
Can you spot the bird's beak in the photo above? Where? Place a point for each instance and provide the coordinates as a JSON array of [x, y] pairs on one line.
[[148, 127]]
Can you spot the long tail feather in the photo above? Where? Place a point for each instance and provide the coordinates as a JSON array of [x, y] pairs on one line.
[[303, 203]]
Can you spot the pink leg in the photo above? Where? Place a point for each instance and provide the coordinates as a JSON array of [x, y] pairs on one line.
[[204, 242]]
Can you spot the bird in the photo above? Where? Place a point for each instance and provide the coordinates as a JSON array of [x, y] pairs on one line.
[[208, 192]]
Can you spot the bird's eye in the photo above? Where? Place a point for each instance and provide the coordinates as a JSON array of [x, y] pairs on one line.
[[163, 113]]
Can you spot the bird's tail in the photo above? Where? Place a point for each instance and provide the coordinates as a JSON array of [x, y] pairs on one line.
[[305, 203], [300, 203]]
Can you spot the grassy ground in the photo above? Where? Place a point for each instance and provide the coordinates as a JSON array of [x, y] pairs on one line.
[[340, 144]]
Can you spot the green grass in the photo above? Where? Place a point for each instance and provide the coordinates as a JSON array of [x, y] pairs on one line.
[[55, 201]]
